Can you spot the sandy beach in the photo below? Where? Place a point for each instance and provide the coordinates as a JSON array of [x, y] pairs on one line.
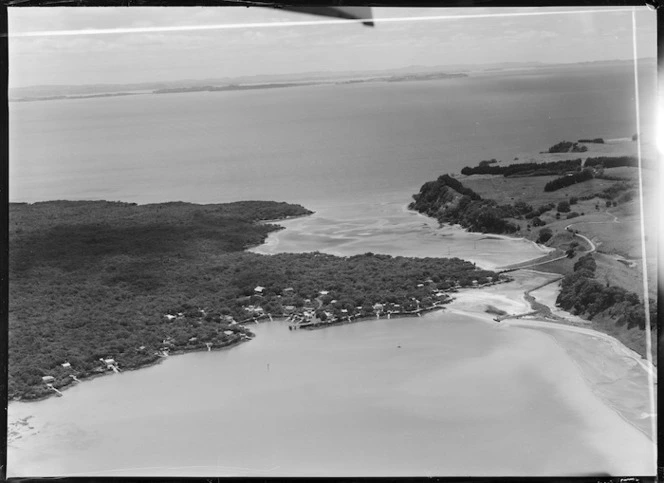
[[616, 375]]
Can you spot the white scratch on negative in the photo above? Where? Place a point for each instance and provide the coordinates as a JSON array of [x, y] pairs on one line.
[[644, 260], [187, 28]]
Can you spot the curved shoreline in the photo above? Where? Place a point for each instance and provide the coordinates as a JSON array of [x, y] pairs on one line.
[[154, 362], [504, 292], [473, 307]]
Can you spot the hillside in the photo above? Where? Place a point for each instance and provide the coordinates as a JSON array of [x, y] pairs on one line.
[[587, 206]]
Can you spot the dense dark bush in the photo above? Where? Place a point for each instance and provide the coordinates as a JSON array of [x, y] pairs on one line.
[[568, 180], [563, 207], [544, 236], [612, 161], [91, 280], [616, 309], [525, 169], [567, 146], [447, 200]]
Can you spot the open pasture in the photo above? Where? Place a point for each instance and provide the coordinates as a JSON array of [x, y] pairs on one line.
[[509, 190]]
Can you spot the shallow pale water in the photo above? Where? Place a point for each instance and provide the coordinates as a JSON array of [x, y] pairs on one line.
[[458, 397], [387, 226]]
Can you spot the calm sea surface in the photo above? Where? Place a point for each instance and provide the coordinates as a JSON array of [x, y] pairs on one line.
[[312, 145], [458, 397]]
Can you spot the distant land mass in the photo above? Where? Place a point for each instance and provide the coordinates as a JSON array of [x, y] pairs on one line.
[[414, 72], [196, 87]]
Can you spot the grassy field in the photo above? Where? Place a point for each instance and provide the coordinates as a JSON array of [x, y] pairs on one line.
[[508, 190], [615, 230]]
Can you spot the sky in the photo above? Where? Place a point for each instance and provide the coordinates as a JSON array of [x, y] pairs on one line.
[[467, 36]]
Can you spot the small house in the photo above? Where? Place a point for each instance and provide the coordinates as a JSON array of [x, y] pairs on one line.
[[66, 365], [475, 283], [170, 317], [228, 332], [259, 290], [323, 292], [48, 379]]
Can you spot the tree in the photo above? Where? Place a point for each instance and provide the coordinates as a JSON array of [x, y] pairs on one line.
[[545, 235], [563, 207]]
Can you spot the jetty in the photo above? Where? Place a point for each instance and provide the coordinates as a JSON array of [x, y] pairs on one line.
[[52, 388]]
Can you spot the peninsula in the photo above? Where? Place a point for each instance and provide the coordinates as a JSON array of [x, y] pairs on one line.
[[100, 286], [586, 209]]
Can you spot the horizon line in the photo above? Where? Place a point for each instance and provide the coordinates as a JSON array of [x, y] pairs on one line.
[[533, 63]]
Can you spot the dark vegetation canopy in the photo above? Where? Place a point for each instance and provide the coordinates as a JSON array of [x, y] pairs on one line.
[[567, 146], [612, 309], [612, 161], [569, 179], [447, 200], [525, 169], [96, 280]]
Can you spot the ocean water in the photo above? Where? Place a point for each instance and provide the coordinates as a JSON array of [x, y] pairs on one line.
[[443, 394], [315, 145], [459, 397]]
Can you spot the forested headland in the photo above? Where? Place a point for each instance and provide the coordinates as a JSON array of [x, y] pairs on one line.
[[612, 309], [448, 201], [95, 280]]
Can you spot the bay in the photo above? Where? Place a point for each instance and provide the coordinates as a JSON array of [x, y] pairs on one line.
[[440, 395]]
